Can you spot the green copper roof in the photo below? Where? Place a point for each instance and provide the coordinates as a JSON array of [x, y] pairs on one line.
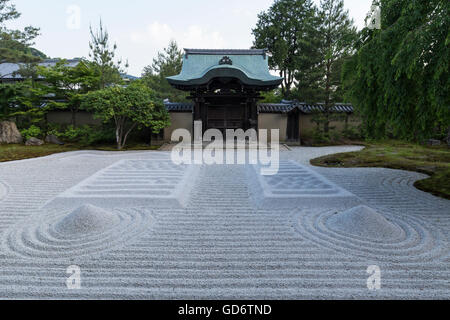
[[200, 66]]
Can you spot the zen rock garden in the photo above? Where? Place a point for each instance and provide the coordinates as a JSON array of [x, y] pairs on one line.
[[116, 183], [141, 227]]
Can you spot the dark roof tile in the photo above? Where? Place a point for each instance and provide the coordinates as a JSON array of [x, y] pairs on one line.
[[275, 107], [284, 107], [179, 107], [338, 108]]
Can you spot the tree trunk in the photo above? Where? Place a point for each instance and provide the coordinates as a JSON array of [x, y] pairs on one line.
[[118, 138], [286, 84], [124, 141], [326, 125]]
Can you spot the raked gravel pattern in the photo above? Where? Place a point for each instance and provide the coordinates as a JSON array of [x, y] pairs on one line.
[[220, 246]]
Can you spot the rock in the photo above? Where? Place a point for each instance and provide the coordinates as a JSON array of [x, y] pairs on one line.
[[52, 139], [9, 133], [34, 142]]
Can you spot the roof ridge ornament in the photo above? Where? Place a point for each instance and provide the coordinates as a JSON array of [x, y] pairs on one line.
[[226, 60]]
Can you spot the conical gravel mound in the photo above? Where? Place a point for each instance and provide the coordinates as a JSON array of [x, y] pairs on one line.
[[87, 219], [363, 221]]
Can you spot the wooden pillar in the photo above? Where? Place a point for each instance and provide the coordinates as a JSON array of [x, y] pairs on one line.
[[200, 111], [253, 113], [204, 113], [196, 112], [246, 115], [197, 109]]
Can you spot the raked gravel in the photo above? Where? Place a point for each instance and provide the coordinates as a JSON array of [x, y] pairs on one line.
[[221, 246]]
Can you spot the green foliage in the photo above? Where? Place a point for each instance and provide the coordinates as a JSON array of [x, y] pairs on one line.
[[31, 132], [7, 11], [67, 85], [273, 96], [29, 101], [9, 98], [399, 78], [84, 135], [308, 46], [338, 37], [290, 30], [168, 63], [315, 137], [15, 44], [318, 137], [17, 100], [335, 136], [22, 103], [353, 133], [128, 107]]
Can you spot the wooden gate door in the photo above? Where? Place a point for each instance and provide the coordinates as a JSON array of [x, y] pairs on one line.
[[226, 117]]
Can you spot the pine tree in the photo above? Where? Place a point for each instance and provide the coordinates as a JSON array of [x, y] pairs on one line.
[[104, 57], [338, 38], [289, 30], [168, 63]]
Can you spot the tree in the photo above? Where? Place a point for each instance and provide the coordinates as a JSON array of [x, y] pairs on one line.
[[129, 107], [103, 56], [273, 96], [399, 78], [15, 44], [167, 63], [289, 30], [21, 102], [67, 85], [9, 94], [339, 36]]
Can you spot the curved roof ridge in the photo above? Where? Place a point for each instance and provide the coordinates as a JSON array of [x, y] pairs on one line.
[[226, 51], [200, 66]]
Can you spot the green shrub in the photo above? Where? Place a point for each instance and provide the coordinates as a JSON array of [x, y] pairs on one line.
[[31, 132], [85, 135], [95, 135], [352, 133], [335, 136], [319, 137], [315, 137], [56, 130]]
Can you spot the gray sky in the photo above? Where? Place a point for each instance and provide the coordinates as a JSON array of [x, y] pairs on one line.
[[143, 27]]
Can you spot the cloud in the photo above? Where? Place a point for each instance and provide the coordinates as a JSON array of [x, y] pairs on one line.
[[197, 37], [244, 13], [158, 35], [143, 45]]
